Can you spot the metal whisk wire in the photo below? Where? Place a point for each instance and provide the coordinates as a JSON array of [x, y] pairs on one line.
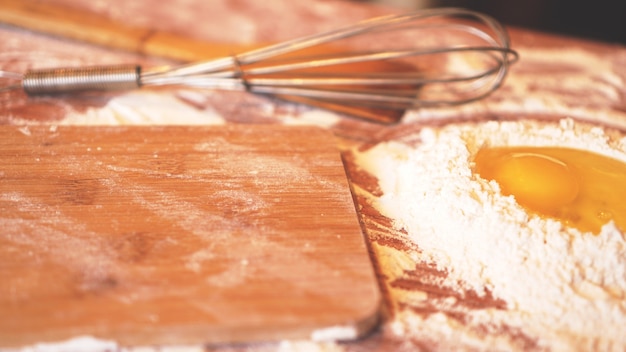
[[386, 77], [364, 87]]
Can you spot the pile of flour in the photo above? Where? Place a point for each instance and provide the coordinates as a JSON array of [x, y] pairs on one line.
[[563, 288]]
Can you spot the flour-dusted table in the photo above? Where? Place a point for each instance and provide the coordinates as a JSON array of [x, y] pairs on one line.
[[556, 77]]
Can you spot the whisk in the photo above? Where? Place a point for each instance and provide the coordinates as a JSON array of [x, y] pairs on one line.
[[434, 57]]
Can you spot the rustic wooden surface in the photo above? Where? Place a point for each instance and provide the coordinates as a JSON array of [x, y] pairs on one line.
[[179, 235], [556, 77], [73, 23], [70, 22]]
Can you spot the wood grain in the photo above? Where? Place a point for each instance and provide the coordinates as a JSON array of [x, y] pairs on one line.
[[178, 235], [81, 25], [78, 24]]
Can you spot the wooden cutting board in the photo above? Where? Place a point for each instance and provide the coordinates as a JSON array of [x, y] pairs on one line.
[[179, 235]]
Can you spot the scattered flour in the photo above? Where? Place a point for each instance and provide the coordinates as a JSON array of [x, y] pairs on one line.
[[563, 288], [77, 344], [145, 108]]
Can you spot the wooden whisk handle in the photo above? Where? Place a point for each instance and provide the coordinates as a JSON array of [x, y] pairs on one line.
[[94, 78]]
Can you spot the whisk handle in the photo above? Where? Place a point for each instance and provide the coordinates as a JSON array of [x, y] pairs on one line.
[[93, 78]]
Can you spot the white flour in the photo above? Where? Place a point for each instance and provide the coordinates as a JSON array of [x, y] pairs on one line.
[[562, 288]]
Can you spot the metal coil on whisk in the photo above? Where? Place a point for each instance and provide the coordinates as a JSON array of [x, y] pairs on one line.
[[64, 80], [401, 65]]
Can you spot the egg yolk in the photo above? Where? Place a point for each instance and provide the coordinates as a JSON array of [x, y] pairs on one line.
[[582, 189]]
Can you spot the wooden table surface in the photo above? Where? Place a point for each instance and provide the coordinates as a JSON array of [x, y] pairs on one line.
[[556, 77]]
